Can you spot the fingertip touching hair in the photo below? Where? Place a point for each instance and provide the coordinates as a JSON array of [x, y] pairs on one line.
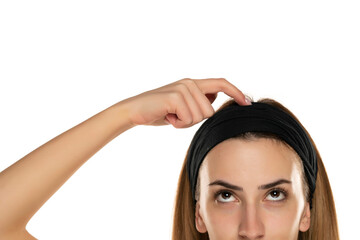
[[323, 214]]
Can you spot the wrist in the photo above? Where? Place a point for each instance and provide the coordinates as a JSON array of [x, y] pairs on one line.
[[120, 115]]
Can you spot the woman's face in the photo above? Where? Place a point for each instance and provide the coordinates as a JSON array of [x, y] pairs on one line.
[[251, 189]]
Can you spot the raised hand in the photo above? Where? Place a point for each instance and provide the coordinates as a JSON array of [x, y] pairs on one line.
[[182, 103], [28, 183]]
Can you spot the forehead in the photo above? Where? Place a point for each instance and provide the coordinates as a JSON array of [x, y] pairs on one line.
[[259, 161]]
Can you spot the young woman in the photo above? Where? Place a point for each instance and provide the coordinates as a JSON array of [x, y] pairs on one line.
[[254, 172], [231, 194]]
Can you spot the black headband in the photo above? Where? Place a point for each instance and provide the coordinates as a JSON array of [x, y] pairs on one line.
[[258, 117]]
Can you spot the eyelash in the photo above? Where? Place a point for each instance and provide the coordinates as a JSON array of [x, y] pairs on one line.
[[279, 189]]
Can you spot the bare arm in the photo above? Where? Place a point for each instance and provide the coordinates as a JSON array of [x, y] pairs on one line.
[[27, 184]]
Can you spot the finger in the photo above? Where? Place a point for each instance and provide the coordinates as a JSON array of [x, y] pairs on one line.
[[187, 89], [215, 85], [180, 109], [170, 118], [203, 102]]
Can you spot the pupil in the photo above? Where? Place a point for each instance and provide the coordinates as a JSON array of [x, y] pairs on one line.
[[275, 194], [226, 195]]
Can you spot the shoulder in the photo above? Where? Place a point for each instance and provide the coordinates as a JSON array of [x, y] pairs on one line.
[[20, 235]]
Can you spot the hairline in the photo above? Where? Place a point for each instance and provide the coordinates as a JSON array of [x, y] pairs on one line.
[[253, 136]]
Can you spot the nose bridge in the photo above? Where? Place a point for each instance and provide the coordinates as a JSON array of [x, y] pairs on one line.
[[251, 225]]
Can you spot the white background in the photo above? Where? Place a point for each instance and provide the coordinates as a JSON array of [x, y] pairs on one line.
[[61, 62]]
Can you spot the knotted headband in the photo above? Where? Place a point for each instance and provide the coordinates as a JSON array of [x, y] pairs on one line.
[[258, 117]]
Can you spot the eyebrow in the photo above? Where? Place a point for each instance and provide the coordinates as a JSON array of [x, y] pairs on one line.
[[261, 187]]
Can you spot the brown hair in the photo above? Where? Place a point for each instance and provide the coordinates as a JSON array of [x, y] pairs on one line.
[[323, 215]]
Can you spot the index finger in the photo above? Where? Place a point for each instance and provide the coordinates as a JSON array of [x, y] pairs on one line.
[[215, 85]]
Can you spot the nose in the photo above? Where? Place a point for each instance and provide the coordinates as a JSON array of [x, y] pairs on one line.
[[251, 225]]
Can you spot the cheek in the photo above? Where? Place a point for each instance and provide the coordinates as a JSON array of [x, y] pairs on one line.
[[222, 222], [282, 223]]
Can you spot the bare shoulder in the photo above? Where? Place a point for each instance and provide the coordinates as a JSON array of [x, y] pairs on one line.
[[22, 235]]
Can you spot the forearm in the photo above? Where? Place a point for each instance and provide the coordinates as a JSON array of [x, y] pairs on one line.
[[27, 184]]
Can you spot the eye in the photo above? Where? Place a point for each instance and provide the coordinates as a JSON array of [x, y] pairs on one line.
[[277, 195], [224, 196]]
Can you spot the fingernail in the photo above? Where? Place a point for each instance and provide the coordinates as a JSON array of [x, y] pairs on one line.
[[248, 101]]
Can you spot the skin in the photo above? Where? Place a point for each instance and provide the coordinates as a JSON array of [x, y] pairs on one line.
[[28, 183], [251, 213]]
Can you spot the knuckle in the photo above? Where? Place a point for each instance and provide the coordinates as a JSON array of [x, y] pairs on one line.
[[198, 118], [181, 86], [186, 119], [223, 82], [183, 123], [175, 96], [189, 121], [209, 113], [188, 81]]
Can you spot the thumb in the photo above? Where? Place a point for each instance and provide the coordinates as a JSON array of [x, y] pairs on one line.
[[170, 118]]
